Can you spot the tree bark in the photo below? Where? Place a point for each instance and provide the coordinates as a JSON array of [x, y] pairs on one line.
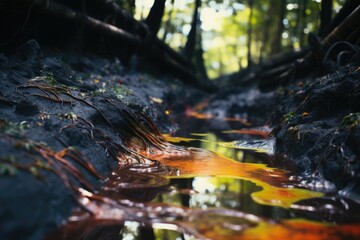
[[276, 44], [325, 15], [303, 23], [189, 48], [249, 60], [153, 21]]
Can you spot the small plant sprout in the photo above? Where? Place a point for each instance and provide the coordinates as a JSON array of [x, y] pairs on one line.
[[351, 119], [71, 116], [289, 116]]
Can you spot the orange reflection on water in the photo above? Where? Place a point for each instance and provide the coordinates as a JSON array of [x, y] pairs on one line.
[[198, 162], [255, 132], [299, 229], [198, 115]]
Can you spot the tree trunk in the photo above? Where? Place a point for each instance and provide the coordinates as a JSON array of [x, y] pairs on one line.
[[249, 60], [191, 39], [276, 44], [153, 21], [303, 23], [325, 15]]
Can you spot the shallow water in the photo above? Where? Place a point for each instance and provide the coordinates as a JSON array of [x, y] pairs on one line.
[[205, 187]]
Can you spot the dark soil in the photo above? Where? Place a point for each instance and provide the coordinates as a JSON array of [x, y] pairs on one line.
[[319, 130], [67, 101]]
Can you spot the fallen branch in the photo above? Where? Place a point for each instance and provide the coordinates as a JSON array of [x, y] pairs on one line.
[[153, 49], [340, 33], [59, 10]]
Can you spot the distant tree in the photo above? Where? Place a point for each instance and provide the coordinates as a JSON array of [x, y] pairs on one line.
[[250, 29], [199, 58], [302, 24], [276, 44], [325, 15], [189, 48], [155, 15]]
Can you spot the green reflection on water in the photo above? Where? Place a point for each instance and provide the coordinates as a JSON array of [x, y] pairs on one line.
[[211, 144], [219, 192], [241, 151]]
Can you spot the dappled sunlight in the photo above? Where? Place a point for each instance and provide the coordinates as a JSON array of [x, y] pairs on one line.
[[302, 229]]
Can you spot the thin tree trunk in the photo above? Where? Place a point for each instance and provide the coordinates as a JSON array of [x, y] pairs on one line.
[[303, 23], [276, 45], [269, 31], [191, 39], [325, 15], [265, 40], [249, 60], [153, 21], [297, 28]]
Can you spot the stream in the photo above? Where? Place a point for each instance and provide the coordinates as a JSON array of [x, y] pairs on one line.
[[203, 185]]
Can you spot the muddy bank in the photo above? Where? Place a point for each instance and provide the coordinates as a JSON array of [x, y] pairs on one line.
[[58, 108], [319, 130], [315, 121]]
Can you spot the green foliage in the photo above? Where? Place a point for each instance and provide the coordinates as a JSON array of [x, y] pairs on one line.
[[289, 116], [121, 92], [351, 119], [225, 24], [7, 167], [13, 128], [50, 79]]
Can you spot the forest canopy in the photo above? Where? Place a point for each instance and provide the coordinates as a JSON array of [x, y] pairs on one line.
[[226, 33]]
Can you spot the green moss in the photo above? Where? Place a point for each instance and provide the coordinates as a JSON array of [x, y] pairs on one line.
[[50, 79], [289, 116], [13, 128], [351, 119], [7, 166], [121, 92]]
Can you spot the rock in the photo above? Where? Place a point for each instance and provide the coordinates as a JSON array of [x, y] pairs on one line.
[[314, 134]]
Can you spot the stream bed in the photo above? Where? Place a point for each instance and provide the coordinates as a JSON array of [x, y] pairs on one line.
[[204, 187]]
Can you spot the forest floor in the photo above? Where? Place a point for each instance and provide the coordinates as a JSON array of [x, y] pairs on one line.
[[65, 105]]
